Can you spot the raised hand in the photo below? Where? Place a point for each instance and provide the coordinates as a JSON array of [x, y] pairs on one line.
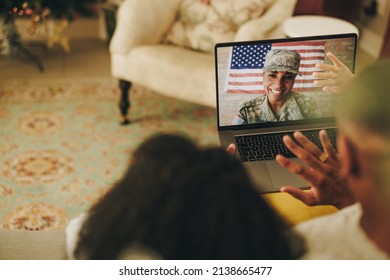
[[334, 77], [327, 186]]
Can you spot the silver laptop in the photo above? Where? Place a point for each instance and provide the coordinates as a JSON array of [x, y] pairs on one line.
[[266, 89]]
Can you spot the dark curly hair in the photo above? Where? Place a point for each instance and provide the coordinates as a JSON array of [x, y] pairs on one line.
[[184, 202]]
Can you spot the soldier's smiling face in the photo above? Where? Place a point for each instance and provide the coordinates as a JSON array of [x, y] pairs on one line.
[[277, 84]]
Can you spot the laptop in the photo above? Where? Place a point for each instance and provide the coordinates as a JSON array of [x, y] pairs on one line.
[[249, 85]]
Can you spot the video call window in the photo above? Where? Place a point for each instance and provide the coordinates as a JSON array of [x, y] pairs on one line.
[[250, 75]]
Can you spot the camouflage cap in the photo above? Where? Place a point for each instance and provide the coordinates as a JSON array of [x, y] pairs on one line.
[[282, 60]]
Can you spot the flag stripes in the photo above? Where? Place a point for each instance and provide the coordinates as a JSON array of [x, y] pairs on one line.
[[247, 61]]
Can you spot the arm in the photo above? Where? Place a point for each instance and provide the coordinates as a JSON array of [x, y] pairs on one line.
[[327, 186], [241, 117]]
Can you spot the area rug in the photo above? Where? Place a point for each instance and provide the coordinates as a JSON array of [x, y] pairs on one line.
[[61, 146]]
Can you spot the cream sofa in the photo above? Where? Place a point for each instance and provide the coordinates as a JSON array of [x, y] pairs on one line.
[[138, 55]]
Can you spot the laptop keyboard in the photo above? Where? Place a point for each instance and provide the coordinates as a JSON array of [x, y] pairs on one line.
[[258, 147]]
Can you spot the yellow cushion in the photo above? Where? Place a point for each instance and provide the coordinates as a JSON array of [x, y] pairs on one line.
[[295, 211]]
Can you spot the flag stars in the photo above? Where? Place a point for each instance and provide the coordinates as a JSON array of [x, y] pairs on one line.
[[250, 56]]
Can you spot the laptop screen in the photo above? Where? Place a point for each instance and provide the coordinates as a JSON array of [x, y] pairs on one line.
[[268, 83]]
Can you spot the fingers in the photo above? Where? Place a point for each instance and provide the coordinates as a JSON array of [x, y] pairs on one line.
[[231, 149], [323, 83], [327, 145], [329, 81], [334, 59], [327, 67], [342, 68], [306, 197], [297, 169], [313, 149], [307, 144], [325, 75], [333, 75], [306, 156], [330, 89]]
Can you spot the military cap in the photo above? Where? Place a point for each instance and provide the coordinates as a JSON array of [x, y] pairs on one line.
[[282, 60]]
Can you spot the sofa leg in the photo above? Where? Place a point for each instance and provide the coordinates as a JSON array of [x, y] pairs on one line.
[[124, 103]]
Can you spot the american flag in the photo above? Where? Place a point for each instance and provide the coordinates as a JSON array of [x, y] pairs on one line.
[[245, 73]]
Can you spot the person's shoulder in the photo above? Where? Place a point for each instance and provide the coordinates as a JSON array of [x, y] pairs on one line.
[[338, 236], [327, 237], [337, 220], [306, 104], [300, 96], [254, 102]]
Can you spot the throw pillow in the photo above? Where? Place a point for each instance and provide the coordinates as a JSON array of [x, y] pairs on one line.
[[203, 23]]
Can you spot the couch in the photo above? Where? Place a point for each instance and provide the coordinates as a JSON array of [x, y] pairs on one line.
[[139, 54], [50, 245]]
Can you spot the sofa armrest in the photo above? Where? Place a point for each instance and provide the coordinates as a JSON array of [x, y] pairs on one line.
[[259, 28], [141, 22]]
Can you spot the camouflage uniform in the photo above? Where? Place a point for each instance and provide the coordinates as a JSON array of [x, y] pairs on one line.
[[297, 107]]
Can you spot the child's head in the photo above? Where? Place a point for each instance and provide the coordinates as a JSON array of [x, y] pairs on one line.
[[184, 202]]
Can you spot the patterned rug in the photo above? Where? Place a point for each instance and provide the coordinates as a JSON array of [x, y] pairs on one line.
[[61, 146]]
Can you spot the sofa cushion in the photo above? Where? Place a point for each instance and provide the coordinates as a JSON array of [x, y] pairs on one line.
[[203, 23], [295, 211]]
